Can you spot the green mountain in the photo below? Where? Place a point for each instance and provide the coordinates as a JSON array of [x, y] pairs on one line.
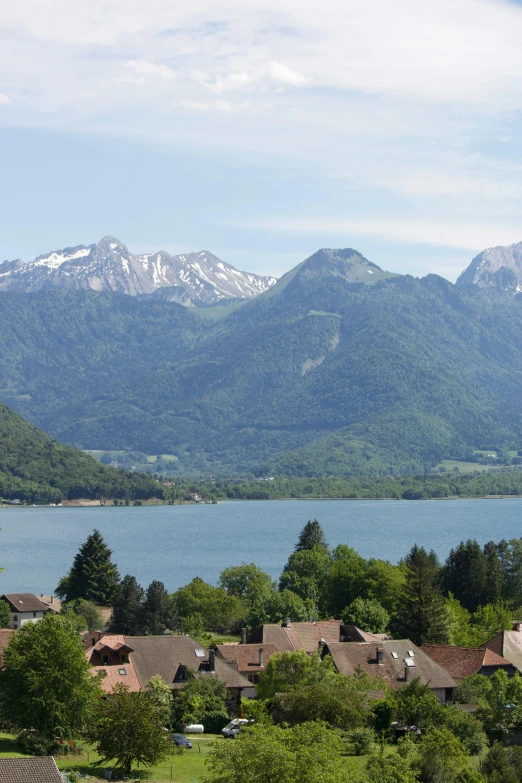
[[338, 368], [37, 469]]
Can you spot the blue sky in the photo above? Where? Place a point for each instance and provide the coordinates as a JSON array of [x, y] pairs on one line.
[[262, 132]]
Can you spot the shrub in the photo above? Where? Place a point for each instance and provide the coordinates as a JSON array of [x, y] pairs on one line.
[[35, 744], [362, 741]]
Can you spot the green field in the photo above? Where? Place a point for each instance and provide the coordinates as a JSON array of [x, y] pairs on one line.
[[185, 767]]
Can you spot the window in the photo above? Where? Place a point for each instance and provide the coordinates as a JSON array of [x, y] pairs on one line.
[[199, 653], [15, 617], [34, 614], [122, 671], [394, 655], [124, 658]]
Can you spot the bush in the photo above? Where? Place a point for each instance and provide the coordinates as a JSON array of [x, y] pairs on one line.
[[215, 721], [35, 744], [362, 741]]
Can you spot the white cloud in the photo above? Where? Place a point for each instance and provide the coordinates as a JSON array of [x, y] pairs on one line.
[[194, 105], [151, 69], [131, 79], [4, 98], [285, 75], [408, 230]]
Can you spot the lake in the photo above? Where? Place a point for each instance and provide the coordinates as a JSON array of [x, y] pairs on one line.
[[176, 543]]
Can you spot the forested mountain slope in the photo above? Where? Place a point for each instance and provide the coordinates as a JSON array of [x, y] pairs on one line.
[[338, 368], [35, 468]]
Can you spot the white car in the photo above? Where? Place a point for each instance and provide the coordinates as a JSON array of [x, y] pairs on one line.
[[233, 728]]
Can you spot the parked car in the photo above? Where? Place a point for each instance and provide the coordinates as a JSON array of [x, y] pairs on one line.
[[233, 728], [181, 741]]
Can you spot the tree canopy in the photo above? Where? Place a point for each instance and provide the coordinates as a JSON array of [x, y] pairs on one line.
[[93, 575]]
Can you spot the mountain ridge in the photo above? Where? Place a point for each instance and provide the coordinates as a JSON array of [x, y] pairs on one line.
[[200, 277]]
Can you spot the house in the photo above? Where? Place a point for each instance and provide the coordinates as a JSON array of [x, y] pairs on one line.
[[51, 602], [133, 660], [248, 659], [5, 638], [508, 644], [42, 769], [299, 636], [25, 608], [462, 662], [396, 662]]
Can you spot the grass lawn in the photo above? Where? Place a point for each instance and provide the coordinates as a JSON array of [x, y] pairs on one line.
[[187, 767]]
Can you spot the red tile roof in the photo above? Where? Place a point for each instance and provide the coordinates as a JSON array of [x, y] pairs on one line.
[[462, 662], [112, 675], [246, 655], [299, 636]]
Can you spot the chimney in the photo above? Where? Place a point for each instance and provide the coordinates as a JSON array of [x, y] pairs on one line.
[[407, 673], [380, 656], [212, 660], [287, 623], [517, 626], [243, 636], [52, 599], [261, 658]]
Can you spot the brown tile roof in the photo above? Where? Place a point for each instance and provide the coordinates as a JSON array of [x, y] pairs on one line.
[[29, 770], [348, 656], [246, 655], [164, 654], [462, 662], [299, 636], [5, 638], [24, 602]]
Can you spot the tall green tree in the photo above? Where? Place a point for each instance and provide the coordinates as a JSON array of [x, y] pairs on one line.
[[127, 608], [159, 614], [247, 582], [367, 614], [93, 575], [494, 581], [311, 535], [128, 727], [200, 698], [422, 615], [465, 575], [5, 615], [305, 573], [344, 581], [218, 610], [47, 683], [278, 605]]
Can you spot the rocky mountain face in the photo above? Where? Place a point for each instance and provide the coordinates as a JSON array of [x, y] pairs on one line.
[[194, 278], [497, 267]]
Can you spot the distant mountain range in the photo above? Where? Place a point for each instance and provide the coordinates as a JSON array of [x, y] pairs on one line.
[[337, 368], [190, 279]]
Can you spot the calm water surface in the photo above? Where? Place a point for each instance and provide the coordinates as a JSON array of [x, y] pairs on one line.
[[176, 543]]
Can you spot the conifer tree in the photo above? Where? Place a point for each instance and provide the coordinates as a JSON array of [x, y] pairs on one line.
[[127, 608], [158, 609], [465, 575], [421, 614], [310, 536], [93, 576], [493, 592]]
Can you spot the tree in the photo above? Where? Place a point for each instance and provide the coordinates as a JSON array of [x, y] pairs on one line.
[[305, 573], [200, 698], [93, 576], [311, 536], [422, 615], [219, 611], [128, 727], [465, 575], [84, 614], [390, 769], [246, 582], [277, 606], [344, 581], [5, 615], [47, 683], [161, 695], [467, 728], [494, 581], [367, 614], [336, 699], [290, 669], [441, 757], [127, 608], [309, 753], [417, 705], [159, 614]]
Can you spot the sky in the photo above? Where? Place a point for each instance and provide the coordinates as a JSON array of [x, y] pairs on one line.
[[262, 131]]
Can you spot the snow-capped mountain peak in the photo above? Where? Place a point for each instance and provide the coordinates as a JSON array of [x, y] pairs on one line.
[[197, 277]]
